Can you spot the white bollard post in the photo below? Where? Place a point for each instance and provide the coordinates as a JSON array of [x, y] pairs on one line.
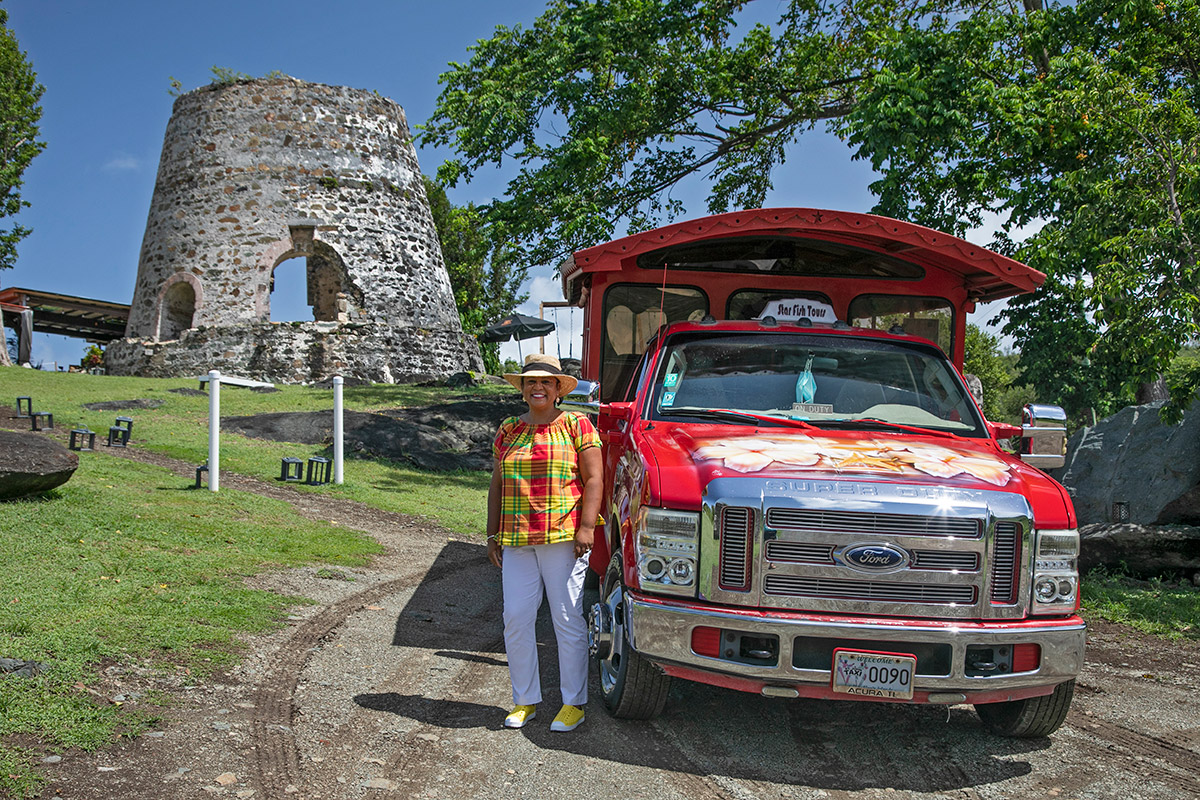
[[214, 430], [337, 429]]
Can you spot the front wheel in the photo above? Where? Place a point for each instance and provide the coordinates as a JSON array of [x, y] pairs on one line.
[[1031, 717], [632, 687]]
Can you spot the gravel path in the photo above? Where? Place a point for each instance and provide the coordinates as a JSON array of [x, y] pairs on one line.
[[393, 684]]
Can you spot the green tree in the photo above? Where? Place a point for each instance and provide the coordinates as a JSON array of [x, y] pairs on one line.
[[485, 280], [984, 360], [1079, 118], [20, 113]]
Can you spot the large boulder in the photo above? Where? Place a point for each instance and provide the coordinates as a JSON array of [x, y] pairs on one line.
[[1134, 459], [1144, 551], [31, 463], [447, 437]]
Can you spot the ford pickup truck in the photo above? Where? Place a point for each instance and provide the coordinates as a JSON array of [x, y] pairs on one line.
[[802, 497]]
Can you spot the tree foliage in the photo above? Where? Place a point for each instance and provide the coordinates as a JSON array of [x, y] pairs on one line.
[[20, 113], [984, 360], [1079, 121], [485, 280]]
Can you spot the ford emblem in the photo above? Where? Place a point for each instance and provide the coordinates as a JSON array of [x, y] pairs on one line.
[[875, 557]]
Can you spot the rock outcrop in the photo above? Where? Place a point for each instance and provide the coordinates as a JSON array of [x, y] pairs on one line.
[[1133, 459], [1141, 550], [32, 464]]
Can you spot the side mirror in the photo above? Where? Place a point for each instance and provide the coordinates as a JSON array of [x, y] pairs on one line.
[[1043, 436], [585, 399]]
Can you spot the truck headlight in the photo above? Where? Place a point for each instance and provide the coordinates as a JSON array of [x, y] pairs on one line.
[[1056, 571], [667, 546]]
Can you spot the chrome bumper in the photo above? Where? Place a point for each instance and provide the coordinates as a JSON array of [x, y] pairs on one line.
[[662, 631]]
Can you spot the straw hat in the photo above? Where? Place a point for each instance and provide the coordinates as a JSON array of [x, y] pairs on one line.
[[545, 366]]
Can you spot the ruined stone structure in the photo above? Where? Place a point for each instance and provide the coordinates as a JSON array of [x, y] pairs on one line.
[[258, 172]]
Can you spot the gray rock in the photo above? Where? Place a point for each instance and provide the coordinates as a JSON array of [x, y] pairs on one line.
[[31, 463], [124, 405], [453, 436], [20, 668], [461, 380], [1141, 550], [1133, 458], [975, 385]]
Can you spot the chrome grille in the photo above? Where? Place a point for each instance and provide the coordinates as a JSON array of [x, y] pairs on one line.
[[945, 560], [805, 586], [800, 552], [858, 522], [737, 525], [1004, 562]]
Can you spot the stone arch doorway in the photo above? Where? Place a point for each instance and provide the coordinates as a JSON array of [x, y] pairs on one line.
[[289, 292], [322, 283], [177, 305]]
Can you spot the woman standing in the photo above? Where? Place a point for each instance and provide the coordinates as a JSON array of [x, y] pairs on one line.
[[543, 503]]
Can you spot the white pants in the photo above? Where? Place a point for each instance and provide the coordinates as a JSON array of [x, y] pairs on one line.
[[527, 570]]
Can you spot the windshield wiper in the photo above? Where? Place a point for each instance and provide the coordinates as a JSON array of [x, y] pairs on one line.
[[872, 422], [735, 416]]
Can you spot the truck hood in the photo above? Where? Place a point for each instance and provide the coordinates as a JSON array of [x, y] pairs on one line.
[[688, 456]]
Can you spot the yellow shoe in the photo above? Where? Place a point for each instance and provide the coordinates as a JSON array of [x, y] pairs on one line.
[[569, 718], [519, 716]]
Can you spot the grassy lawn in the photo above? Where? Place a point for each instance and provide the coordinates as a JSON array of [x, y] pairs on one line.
[[123, 565], [1169, 610]]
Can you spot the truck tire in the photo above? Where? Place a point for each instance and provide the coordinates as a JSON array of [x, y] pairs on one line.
[[1029, 718], [632, 687]]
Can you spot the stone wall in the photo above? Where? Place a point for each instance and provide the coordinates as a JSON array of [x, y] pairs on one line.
[[295, 353], [258, 172]]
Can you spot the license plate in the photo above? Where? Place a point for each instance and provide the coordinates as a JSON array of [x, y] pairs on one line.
[[868, 674]]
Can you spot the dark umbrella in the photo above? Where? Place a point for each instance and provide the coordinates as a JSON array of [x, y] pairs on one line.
[[516, 326]]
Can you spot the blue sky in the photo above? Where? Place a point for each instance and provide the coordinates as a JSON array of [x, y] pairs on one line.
[[107, 67]]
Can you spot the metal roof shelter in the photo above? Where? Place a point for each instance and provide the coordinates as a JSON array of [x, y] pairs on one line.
[[80, 317]]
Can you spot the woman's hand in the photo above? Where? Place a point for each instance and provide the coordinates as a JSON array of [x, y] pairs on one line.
[[495, 552], [583, 541]]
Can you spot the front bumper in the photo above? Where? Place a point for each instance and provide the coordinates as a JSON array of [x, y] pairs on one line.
[[661, 630]]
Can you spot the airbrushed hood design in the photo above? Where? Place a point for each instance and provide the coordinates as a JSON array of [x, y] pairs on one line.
[[803, 452]]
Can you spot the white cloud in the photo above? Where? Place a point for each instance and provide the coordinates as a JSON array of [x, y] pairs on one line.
[[122, 163]]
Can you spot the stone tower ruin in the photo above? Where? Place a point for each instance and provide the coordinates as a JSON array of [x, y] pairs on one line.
[[258, 172]]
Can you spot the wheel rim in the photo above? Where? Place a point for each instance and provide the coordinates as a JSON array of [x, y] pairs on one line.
[[610, 666]]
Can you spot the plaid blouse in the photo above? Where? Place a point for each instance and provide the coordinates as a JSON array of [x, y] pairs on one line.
[[541, 485]]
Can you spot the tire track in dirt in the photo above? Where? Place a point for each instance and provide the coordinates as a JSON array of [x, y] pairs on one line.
[[277, 757], [353, 736], [1140, 751], [275, 762]]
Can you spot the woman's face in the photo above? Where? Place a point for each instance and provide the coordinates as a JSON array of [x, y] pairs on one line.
[[540, 392]]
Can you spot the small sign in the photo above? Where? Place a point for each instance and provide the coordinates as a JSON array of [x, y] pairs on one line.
[[796, 308], [668, 399], [671, 379], [812, 408]]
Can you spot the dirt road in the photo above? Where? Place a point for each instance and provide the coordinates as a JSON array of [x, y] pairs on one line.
[[393, 684]]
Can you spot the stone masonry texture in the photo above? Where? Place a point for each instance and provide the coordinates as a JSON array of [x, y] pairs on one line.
[[258, 172]]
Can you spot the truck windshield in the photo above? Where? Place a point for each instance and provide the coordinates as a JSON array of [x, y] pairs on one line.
[[827, 381]]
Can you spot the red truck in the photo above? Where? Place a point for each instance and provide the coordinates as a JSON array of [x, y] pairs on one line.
[[802, 497]]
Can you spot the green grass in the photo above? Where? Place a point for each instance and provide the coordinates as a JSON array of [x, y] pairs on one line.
[[1169, 610], [179, 428], [124, 565]]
